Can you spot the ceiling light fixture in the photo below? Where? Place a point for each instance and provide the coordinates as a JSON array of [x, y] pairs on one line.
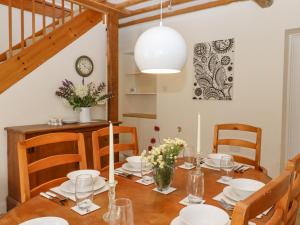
[[160, 49]]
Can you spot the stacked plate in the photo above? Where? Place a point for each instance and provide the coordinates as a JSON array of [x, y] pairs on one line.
[[214, 159], [134, 164], [69, 185], [241, 188], [201, 215]]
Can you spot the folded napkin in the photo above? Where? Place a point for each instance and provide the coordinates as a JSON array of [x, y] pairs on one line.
[[146, 182], [186, 202], [72, 196], [137, 174], [168, 191], [81, 212], [183, 166]]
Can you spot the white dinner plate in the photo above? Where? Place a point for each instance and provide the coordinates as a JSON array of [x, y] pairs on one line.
[[69, 121], [203, 215], [177, 221], [69, 187], [46, 221], [227, 191], [128, 167]]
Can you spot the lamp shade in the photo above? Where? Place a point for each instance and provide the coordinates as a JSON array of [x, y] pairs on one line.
[[160, 50]]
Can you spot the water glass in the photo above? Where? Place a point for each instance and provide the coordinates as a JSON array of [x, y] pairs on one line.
[[121, 212], [84, 191], [195, 187], [226, 166], [189, 157]]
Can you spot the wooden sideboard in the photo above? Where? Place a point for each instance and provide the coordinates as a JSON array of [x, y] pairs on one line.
[[20, 133]]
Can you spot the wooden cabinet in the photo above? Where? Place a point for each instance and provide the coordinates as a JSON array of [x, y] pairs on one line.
[[20, 133]]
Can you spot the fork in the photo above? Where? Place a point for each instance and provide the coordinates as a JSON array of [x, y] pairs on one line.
[[52, 198], [57, 196]]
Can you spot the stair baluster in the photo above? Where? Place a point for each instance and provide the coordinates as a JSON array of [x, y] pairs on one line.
[[10, 26], [22, 25], [53, 14], [33, 21], [44, 18]]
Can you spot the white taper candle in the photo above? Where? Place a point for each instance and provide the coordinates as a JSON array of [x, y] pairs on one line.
[[111, 154], [198, 133]]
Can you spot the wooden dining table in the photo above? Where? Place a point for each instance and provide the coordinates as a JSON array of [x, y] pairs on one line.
[[150, 207]]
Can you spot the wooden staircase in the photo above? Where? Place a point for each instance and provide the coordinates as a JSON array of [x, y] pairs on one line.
[[66, 26]]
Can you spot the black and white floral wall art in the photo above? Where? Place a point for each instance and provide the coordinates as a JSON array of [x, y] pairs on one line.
[[213, 70]]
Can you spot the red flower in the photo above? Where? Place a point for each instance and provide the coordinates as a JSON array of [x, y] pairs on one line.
[[149, 148], [153, 140], [156, 128]]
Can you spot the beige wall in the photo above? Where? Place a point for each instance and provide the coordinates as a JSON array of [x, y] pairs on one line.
[[32, 100], [258, 79]]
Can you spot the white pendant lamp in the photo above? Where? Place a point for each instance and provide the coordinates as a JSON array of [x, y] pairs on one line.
[[160, 50]]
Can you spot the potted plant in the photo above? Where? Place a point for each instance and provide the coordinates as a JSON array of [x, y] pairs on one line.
[[83, 97]]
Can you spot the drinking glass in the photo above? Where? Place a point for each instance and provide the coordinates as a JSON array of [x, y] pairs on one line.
[[84, 191], [145, 171], [195, 187], [226, 166], [189, 157], [121, 212]]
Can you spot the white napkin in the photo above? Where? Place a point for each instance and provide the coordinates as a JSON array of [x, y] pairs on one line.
[[72, 196], [186, 202], [222, 181], [168, 191], [147, 182], [137, 174], [183, 166], [81, 212]]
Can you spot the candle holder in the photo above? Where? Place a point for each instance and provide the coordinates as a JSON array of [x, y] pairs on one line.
[[198, 161], [111, 198]]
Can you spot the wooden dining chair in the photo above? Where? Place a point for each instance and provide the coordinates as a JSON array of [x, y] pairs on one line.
[[274, 194], [256, 146], [100, 152], [293, 166], [26, 168]]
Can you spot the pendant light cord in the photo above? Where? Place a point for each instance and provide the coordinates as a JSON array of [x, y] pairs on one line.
[[161, 12]]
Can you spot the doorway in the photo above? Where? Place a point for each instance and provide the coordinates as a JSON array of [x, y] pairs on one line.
[[291, 97]]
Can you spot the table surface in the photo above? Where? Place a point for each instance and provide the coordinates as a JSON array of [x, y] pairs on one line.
[[150, 207]]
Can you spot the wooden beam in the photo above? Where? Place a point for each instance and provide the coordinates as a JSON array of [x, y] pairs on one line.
[[100, 7], [156, 7], [180, 11], [129, 3], [264, 3], [39, 8], [21, 64], [112, 65]]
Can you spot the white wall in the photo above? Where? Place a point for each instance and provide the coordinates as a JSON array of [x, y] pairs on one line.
[[32, 100], [259, 58]]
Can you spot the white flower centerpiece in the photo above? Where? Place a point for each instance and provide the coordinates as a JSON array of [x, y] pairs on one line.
[[82, 96], [162, 159]]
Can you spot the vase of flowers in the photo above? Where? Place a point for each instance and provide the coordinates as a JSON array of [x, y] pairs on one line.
[[162, 159], [83, 97]]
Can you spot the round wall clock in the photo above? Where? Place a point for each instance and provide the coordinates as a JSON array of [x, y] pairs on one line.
[[84, 66]]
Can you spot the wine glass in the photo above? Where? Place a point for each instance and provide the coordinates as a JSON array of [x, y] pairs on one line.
[[195, 187], [121, 212], [226, 166], [189, 157], [84, 191]]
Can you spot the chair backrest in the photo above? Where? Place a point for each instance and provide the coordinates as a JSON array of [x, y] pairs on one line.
[[293, 166], [99, 152], [25, 168], [273, 194], [256, 146]]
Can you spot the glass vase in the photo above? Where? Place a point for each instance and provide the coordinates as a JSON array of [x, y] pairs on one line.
[[163, 177]]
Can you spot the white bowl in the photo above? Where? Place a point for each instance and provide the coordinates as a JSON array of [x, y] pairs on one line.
[[203, 215], [216, 158], [245, 187], [135, 161], [46, 221], [72, 175]]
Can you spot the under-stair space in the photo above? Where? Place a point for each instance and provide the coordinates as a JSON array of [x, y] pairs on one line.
[[62, 22]]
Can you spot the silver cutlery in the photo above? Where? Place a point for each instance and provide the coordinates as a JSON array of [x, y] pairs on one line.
[[123, 174], [226, 205], [57, 196], [52, 198], [237, 168]]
